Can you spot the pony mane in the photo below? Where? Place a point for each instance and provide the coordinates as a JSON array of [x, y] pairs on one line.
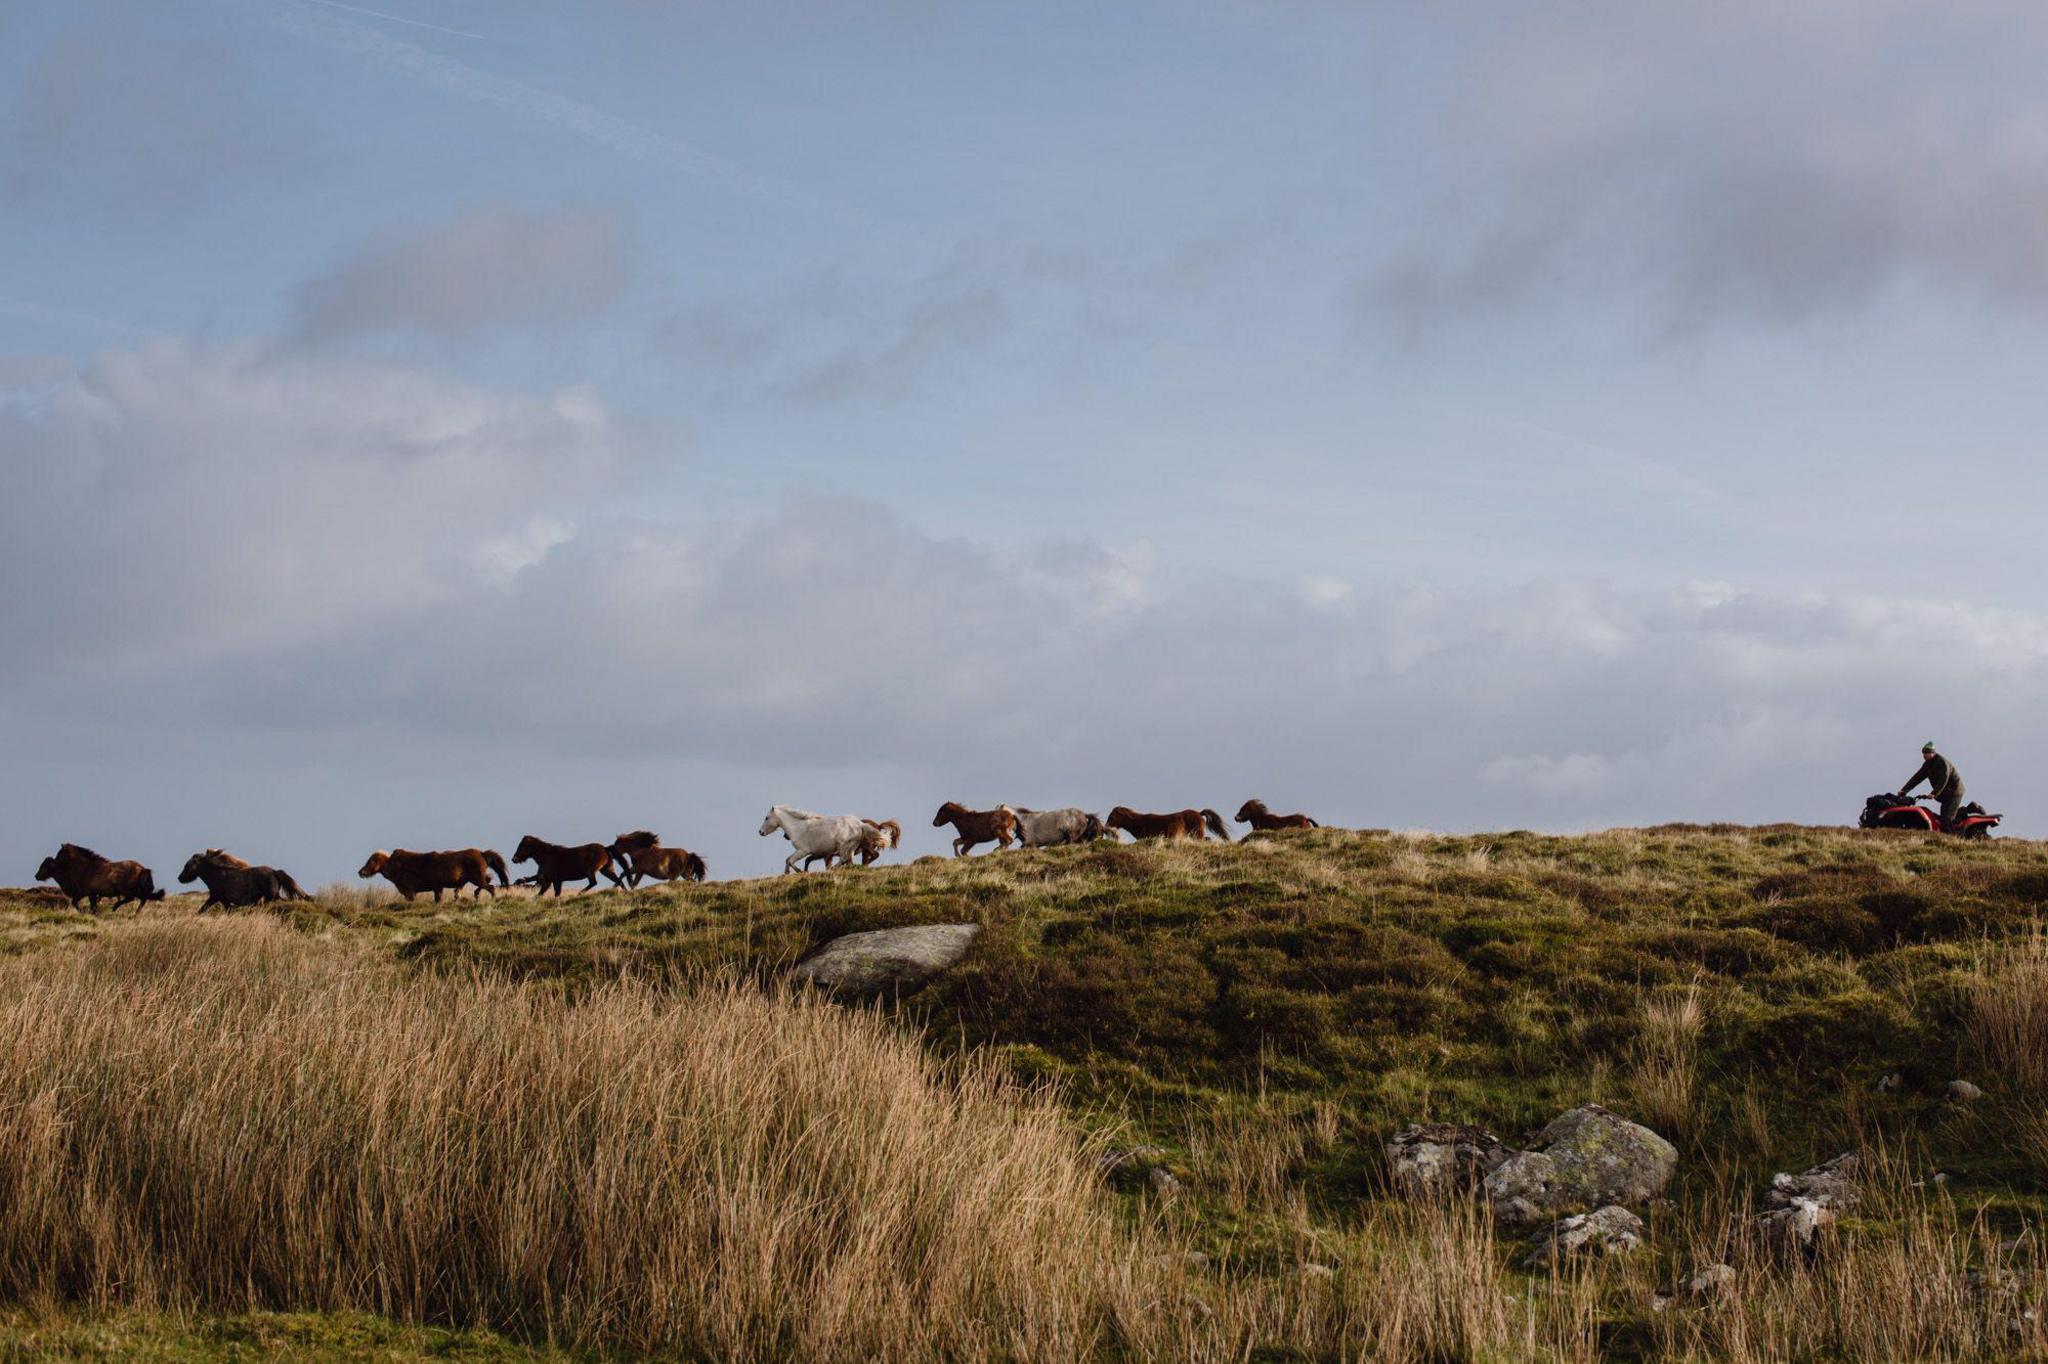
[[80, 850]]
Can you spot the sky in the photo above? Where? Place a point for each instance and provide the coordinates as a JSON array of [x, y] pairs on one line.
[[426, 422]]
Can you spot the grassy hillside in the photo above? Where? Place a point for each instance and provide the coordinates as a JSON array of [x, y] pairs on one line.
[[1269, 1011]]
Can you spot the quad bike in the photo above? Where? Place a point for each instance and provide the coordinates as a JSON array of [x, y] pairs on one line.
[[1888, 811]]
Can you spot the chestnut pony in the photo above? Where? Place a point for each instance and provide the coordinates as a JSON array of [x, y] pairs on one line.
[[1255, 813], [998, 826], [83, 874], [640, 853], [415, 872], [1179, 824]]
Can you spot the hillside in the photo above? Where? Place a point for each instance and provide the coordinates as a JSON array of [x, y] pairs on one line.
[[1269, 1012]]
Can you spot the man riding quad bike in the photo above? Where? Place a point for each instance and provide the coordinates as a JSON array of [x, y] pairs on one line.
[[1945, 785]]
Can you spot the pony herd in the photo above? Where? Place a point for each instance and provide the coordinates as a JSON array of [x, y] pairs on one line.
[[86, 878]]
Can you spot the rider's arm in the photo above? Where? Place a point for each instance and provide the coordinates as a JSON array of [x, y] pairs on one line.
[[1918, 777]]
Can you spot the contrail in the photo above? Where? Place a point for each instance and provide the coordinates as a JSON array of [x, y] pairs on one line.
[[619, 135], [65, 317], [401, 19]]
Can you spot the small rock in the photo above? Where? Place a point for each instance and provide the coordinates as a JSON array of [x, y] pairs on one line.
[[1830, 1184], [1963, 1092], [1796, 1228], [1430, 1159], [888, 960], [1660, 1302], [1164, 1186], [1714, 1281], [1186, 1259], [1118, 1159], [1607, 1231]]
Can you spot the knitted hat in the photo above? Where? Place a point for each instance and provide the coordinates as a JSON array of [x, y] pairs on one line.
[[1927, 747]]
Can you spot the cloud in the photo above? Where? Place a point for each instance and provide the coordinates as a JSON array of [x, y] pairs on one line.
[[178, 503], [487, 267], [1747, 162], [126, 117], [418, 596]]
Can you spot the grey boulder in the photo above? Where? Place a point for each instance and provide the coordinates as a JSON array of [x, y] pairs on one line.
[[1586, 1158], [888, 960]]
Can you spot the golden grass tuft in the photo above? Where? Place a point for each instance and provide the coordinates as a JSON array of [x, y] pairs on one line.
[[221, 1115]]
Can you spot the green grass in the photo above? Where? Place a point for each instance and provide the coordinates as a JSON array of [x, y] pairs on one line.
[[310, 1338]]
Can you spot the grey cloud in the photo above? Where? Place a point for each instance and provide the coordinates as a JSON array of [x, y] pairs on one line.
[[1747, 162], [485, 267], [137, 120], [389, 581]]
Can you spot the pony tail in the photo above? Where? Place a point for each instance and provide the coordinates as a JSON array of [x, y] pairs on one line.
[[497, 864], [1216, 825]]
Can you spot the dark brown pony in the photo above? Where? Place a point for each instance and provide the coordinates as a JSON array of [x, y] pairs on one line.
[[1255, 813], [232, 883], [975, 827], [83, 875], [554, 863], [640, 853], [1179, 824], [416, 872]]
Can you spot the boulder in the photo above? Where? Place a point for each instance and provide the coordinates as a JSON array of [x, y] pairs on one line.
[[888, 960], [1605, 1231], [1431, 1159], [1586, 1158], [1963, 1092]]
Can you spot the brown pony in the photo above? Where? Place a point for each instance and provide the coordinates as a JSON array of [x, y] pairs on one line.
[[1255, 813], [881, 835], [414, 872], [1179, 824], [877, 836], [232, 883], [83, 874], [998, 826], [554, 863], [640, 853]]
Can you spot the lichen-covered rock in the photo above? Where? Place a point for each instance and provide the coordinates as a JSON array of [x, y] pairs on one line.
[[1606, 1231], [1431, 1159], [888, 960], [1586, 1158]]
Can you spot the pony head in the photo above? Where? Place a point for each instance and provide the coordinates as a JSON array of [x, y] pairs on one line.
[[773, 822], [1248, 809], [951, 810], [48, 871], [193, 864], [528, 846], [378, 861]]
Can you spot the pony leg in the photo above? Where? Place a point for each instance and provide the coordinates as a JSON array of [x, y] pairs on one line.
[[789, 863]]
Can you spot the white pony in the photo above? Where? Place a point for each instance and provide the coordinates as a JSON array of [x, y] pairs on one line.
[[814, 835], [1050, 828]]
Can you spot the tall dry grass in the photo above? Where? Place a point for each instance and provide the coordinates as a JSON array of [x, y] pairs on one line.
[[1664, 1070], [222, 1115]]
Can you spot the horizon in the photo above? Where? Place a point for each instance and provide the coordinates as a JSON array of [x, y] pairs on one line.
[[433, 422]]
